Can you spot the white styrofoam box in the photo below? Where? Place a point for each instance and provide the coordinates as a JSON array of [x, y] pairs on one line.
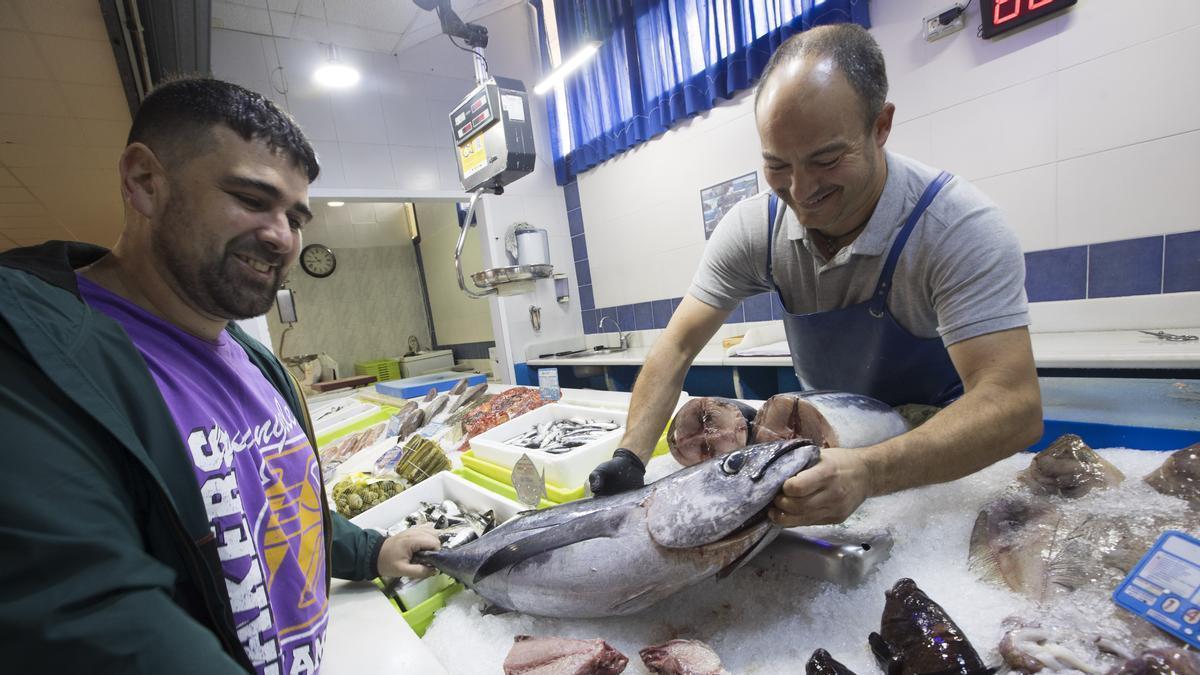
[[337, 416], [568, 470], [440, 486]]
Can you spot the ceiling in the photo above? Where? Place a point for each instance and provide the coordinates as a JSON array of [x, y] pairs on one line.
[[63, 122], [387, 26]]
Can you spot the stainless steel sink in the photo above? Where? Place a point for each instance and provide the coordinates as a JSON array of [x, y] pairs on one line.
[[595, 351]]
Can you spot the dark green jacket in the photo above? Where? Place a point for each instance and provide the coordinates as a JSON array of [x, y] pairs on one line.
[[107, 563]]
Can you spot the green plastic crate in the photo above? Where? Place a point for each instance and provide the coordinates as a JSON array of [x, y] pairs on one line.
[[382, 369], [418, 618]]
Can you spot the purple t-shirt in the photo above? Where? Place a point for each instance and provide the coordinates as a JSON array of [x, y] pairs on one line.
[[259, 479]]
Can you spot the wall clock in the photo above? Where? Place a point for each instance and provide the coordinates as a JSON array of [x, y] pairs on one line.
[[318, 260]]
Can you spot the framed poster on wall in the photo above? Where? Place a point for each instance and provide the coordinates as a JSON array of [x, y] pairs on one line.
[[716, 201]]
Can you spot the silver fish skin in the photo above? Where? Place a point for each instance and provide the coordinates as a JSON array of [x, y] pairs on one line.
[[832, 419], [617, 555]]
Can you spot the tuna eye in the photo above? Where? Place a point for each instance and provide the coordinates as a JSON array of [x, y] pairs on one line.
[[733, 463]]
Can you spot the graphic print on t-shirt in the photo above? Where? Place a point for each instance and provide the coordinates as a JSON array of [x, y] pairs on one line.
[[277, 615]]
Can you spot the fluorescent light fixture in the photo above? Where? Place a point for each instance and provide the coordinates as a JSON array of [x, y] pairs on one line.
[[338, 75], [337, 204], [567, 67]]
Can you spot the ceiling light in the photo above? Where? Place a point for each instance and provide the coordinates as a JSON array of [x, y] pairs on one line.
[[337, 204], [567, 67], [337, 75], [334, 73]]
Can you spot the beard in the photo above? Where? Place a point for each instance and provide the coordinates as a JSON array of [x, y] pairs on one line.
[[206, 272]]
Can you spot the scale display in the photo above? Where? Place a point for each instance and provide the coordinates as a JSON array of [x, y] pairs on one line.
[[1002, 16]]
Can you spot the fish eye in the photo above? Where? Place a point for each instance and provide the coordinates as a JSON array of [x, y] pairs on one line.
[[733, 463]]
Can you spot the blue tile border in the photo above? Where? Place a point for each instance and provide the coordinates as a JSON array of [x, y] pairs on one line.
[[1129, 267], [1057, 274], [1181, 263], [643, 316]]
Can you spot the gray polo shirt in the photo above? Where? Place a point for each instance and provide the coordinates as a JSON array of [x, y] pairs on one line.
[[961, 274]]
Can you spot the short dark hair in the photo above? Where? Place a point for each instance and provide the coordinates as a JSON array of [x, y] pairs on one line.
[[853, 51], [178, 115]]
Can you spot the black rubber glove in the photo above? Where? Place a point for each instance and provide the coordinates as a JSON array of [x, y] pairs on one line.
[[624, 472]]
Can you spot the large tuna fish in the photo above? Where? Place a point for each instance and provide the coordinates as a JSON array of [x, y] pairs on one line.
[[832, 419], [619, 554]]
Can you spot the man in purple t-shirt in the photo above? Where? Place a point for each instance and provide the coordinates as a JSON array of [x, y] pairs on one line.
[[215, 184]]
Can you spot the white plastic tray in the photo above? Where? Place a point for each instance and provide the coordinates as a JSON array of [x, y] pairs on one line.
[[567, 470], [443, 485]]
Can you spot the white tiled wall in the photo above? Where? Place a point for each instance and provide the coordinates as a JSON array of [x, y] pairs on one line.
[[457, 318], [1084, 128]]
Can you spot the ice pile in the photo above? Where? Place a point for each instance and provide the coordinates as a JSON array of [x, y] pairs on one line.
[[765, 619]]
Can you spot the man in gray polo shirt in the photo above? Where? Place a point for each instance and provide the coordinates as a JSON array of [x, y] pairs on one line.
[[898, 281]]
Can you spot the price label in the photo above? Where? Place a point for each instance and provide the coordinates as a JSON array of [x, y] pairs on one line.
[[1164, 587]]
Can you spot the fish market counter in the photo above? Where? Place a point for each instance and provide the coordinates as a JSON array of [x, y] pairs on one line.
[[1116, 349], [367, 635]]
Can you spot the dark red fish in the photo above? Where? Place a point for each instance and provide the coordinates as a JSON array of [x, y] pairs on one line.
[[562, 656], [917, 637], [822, 663]]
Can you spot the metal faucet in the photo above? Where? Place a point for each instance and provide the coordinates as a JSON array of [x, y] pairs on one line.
[[622, 338]]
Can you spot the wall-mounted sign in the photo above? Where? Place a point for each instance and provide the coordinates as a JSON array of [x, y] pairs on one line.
[[716, 201], [1001, 16]]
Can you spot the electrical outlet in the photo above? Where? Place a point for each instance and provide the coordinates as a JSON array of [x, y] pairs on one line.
[[940, 24]]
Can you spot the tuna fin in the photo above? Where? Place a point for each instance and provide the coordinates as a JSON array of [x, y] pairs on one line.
[[620, 607], [545, 540], [767, 538], [494, 610]]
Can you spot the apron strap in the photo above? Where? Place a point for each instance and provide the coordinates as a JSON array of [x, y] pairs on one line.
[[772, 208], [879, 298]]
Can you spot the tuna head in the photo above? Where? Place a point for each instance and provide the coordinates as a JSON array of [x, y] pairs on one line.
[[1179, 475], [1069, 468], [706, 502], [917, 636]]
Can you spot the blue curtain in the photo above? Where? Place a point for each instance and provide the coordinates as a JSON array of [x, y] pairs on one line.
[[661, 61]]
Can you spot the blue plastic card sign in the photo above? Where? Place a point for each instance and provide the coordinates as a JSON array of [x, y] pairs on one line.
[[1164, 587], [548, 384]]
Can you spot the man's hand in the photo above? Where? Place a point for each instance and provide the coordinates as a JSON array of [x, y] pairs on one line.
[[624, 472], [825, 494], [395, 557]]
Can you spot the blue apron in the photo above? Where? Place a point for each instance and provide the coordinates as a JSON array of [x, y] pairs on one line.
[[861, 348]]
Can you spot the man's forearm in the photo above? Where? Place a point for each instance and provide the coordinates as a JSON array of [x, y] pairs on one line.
[[986, 425], [654, 397]]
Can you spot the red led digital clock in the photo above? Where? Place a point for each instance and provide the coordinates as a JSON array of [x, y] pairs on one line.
[[1001, 16]]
